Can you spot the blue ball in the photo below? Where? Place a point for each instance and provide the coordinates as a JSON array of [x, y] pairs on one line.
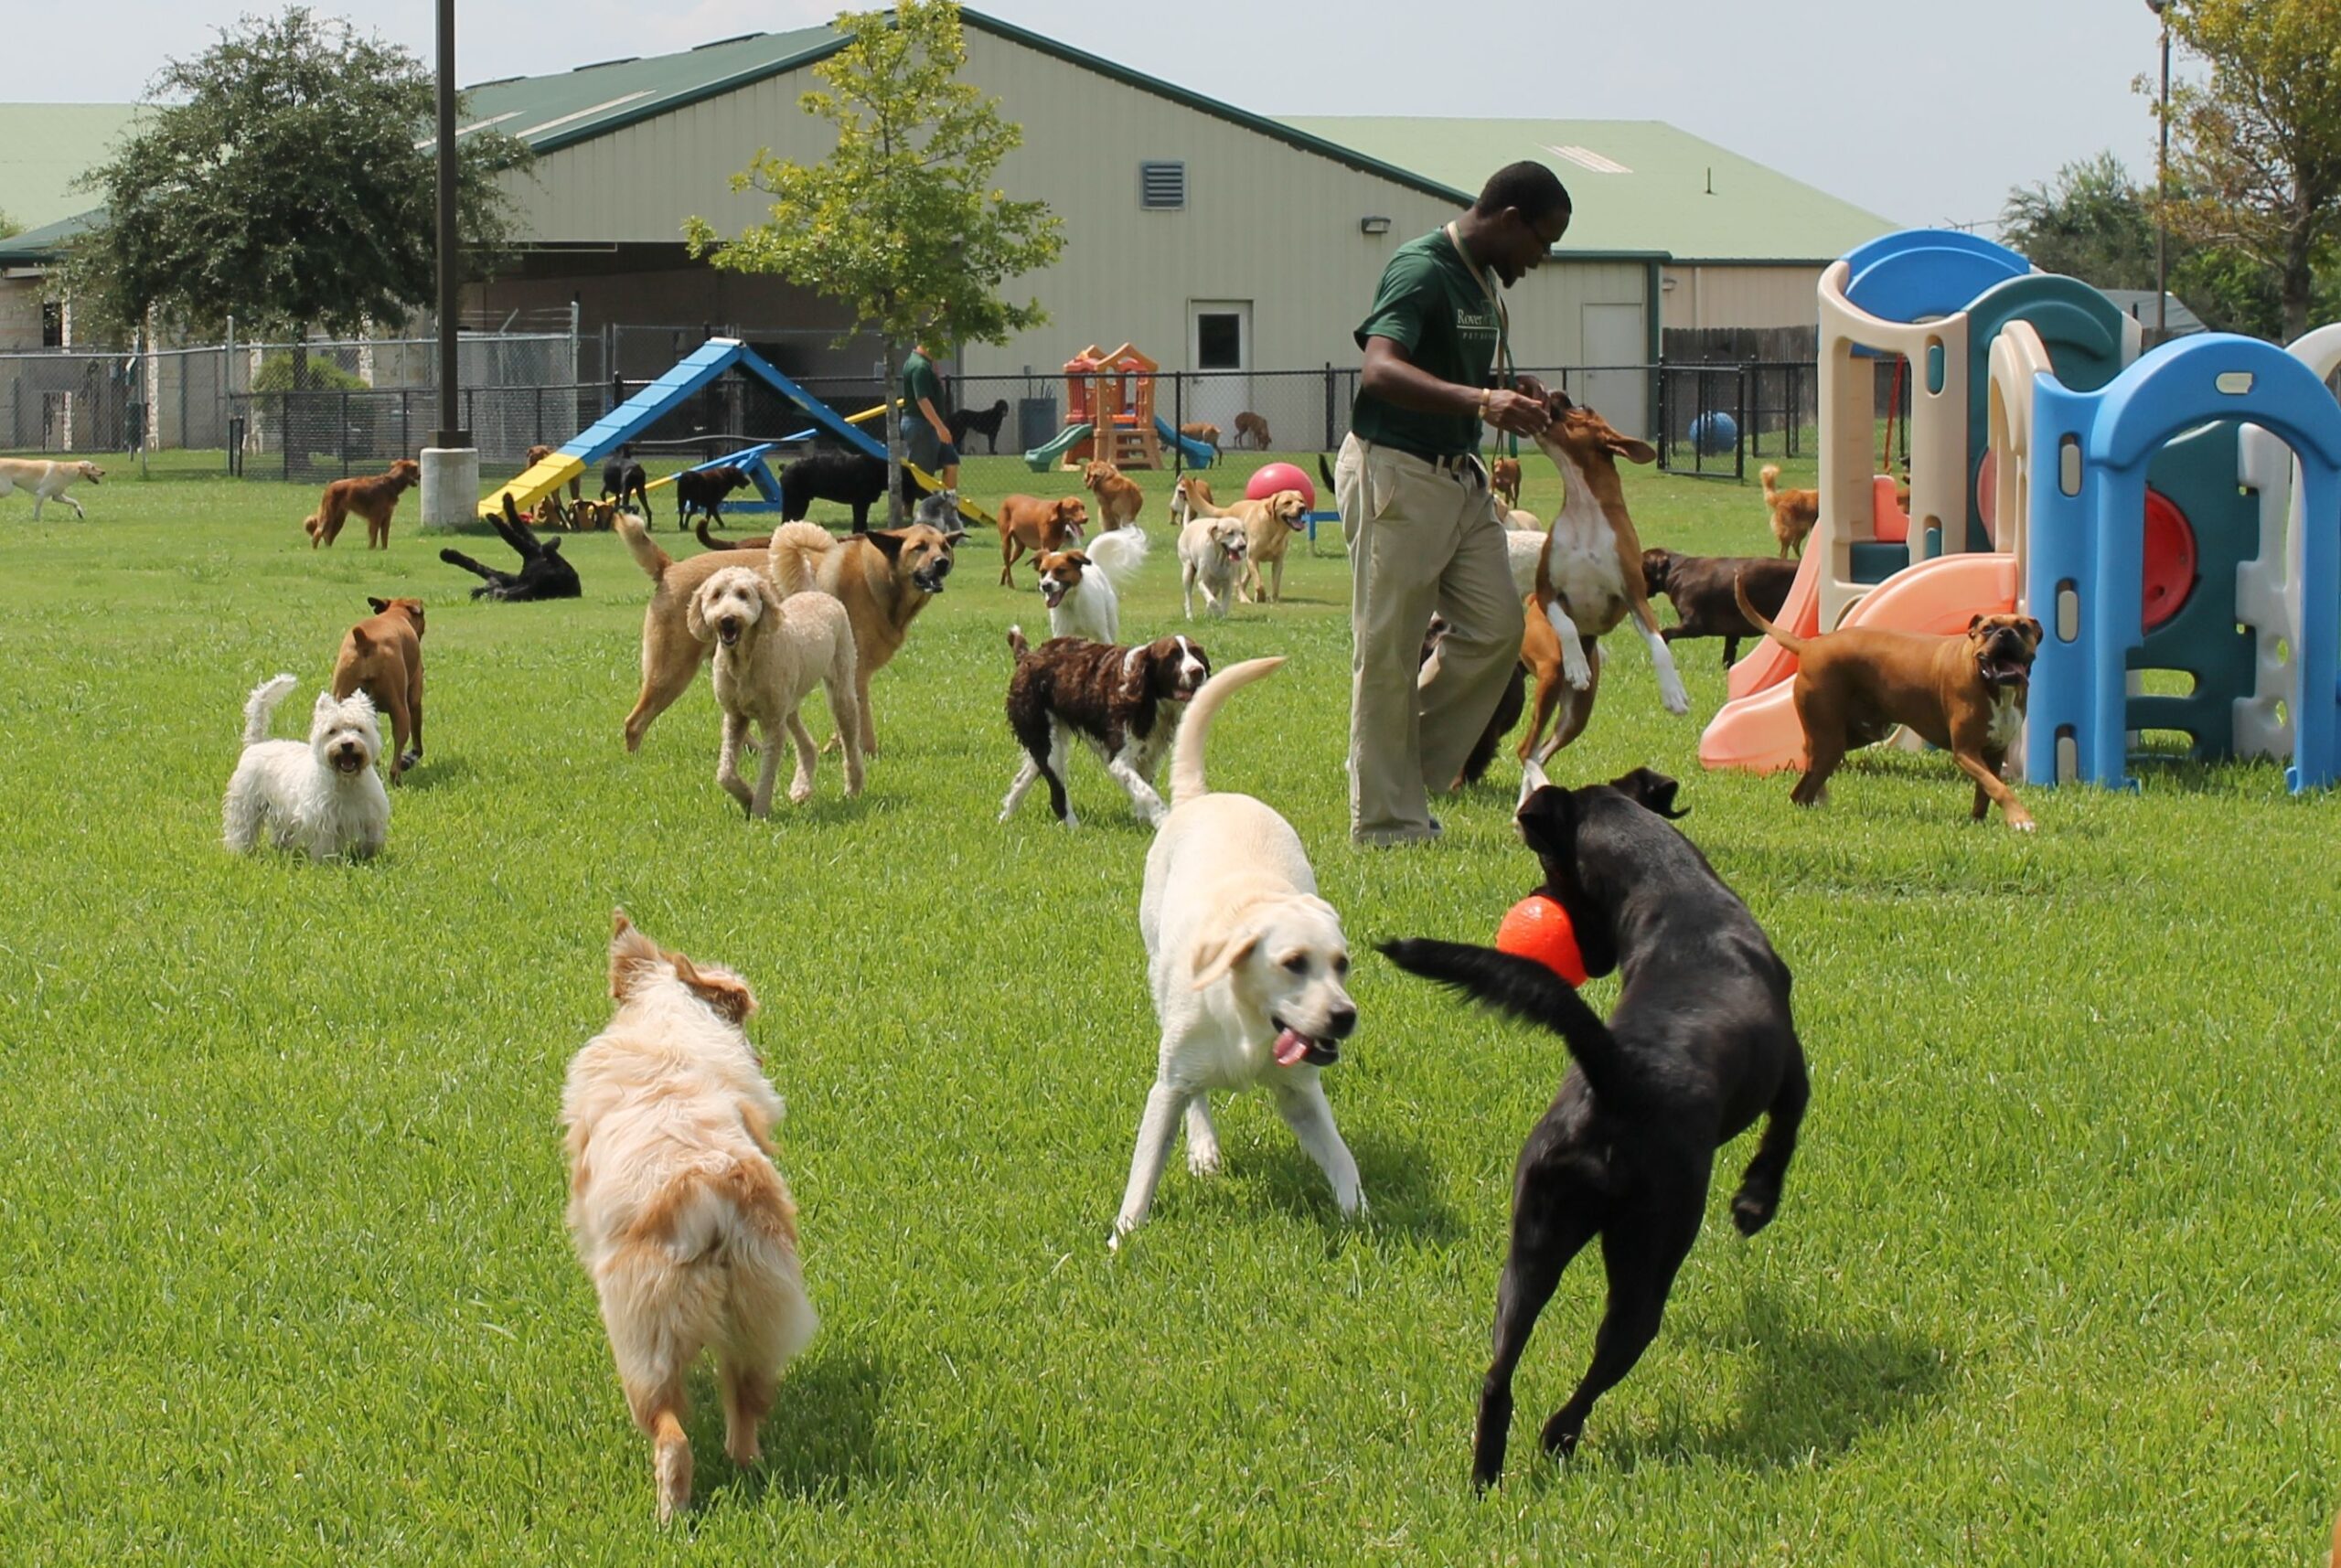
[[1715, 432]]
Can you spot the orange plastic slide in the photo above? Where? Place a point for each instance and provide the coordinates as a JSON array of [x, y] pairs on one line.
[[1767, 664], [1761, 733]]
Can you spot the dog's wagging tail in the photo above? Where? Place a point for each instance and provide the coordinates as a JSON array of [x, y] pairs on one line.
[[1525, 989]]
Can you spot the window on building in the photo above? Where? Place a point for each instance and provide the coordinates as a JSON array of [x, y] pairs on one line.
[[1162, 186], [52, 324], [1219, 341]]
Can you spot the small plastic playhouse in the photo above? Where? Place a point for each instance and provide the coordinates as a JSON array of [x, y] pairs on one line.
[[1114, 395]]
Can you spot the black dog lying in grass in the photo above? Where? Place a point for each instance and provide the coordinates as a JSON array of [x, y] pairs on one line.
[[1701, 1044], [852, 479], [543, 573], [961, 421]]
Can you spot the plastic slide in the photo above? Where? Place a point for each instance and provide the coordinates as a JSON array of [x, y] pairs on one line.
[[1768, 664], [1936, 598], [1041, 459], [1194, 453]]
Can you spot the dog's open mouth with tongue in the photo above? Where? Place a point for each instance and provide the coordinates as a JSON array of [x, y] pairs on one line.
[[1293, 1048]]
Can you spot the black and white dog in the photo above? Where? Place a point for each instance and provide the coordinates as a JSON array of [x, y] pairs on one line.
[[1701, 1044], [961, 422], [1125, 702], [852, 479]]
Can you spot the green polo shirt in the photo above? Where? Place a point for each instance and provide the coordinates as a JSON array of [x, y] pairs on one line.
[[1430, 305], [918, 381]]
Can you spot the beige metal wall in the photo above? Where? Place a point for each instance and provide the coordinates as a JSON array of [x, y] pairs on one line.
[[1741, 296], [1265, 223]]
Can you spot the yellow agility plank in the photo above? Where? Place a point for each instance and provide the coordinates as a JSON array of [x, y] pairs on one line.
[[968, 509], [534, 485]]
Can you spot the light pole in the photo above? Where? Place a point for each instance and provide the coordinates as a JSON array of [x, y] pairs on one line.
[[2162, 180]]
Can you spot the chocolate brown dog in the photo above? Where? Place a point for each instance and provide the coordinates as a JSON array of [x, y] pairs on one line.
[[1964, 694], [1701, 588], [382, 657]]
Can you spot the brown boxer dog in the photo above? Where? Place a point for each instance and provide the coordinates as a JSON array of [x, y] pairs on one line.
[[1964, 694]]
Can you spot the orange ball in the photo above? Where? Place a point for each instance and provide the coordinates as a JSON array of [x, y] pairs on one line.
[[1538, 928]]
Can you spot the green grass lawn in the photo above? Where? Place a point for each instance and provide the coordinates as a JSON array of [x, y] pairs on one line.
[[2053, 1281]]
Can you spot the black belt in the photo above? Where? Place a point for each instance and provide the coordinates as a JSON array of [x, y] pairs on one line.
[[1463, 465]]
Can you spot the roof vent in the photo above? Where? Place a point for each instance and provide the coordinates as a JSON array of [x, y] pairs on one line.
[[1161, 187], [1587, 158], [718, 43], [622, 59]]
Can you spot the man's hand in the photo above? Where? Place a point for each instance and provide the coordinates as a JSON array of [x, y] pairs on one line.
[[1517, 413]]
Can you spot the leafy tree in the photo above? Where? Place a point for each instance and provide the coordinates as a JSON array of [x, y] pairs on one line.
[[282, 185], [9, 226], [901, 221], [2256, 148], [2089, 222]]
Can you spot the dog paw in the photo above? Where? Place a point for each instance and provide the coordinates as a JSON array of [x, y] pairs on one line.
[[2024, 825], [1560, 1435], [1202, 1162], [1671, 693], [1752, 1211], [799, 794]]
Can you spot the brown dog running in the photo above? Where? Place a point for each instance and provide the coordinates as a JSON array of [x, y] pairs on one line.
[[382, 657], [1701, 587], [1118, 500], [1793, 511], [1964, 694], [1028, 522], [373, 498]]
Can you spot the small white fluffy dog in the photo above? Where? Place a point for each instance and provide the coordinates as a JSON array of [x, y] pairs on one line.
[[1210, 555], [678, 1212], [770, 653], [321, 797], [1084, 601], [47, 481], [1248, 964]]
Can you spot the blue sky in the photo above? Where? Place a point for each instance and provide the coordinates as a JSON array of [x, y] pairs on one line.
[[1921, 110]]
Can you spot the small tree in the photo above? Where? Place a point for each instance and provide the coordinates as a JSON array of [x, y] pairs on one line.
[[2257, 147], [2089, 222], [901, 221], [284, 187]]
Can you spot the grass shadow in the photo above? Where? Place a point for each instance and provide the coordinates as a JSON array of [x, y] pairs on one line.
[[1396, 1174], [821, 1440], [432, 772], [1810, 1394]]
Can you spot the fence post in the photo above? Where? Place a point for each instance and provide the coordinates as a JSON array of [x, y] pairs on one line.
[[1178, 423], [1739, 447], [1329, 396]]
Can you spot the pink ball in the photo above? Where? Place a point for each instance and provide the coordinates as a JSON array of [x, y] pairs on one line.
[[1275, 476]]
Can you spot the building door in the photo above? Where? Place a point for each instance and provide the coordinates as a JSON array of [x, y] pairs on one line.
[[1615, 385], [1219, 346]]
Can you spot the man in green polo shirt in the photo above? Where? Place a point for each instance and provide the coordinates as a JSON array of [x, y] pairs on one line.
[[1421, 521], [921, 403]]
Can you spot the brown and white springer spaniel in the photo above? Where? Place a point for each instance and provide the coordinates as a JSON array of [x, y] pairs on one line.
[[1125, 702]]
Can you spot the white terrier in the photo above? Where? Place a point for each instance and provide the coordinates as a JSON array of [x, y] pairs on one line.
[[323, 798]]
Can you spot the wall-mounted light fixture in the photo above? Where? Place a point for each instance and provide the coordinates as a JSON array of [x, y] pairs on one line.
[[1374, 225]]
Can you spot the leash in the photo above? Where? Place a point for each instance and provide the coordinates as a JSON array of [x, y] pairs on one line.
[[1507, 373]]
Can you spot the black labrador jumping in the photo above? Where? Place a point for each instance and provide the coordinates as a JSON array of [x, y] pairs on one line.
[[543, 573], [1700, 1046]]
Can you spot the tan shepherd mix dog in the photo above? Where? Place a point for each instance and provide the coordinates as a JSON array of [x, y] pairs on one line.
[[682, 1220], [373, 498], [885, 577], [382, 657]]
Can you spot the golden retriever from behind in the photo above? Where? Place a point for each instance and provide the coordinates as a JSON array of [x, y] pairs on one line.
[[678, 1214]]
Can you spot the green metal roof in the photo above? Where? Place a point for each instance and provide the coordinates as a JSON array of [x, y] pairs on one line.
[[1638, 185], [45, 147], [47, 245], [572, 106]]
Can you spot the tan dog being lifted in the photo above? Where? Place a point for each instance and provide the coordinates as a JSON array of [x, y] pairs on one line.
[[1963, 694], [382, 657]]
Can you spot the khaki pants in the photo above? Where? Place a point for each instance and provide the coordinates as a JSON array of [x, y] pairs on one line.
[[1422, 538]]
